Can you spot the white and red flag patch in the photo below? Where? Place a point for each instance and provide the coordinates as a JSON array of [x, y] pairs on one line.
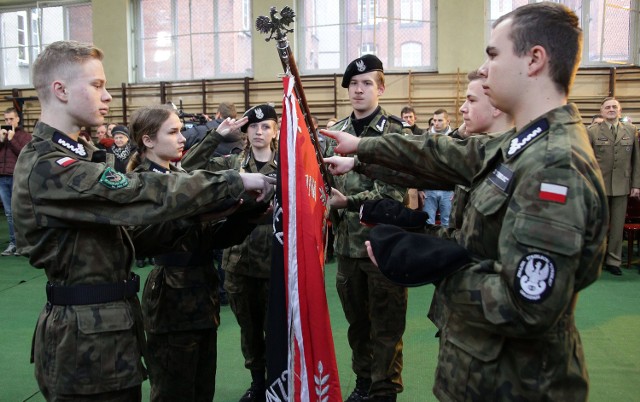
[[66, 161], [553, 192]]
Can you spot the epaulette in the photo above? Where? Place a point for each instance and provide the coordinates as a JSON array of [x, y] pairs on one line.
[[340, 125], [43, 147], [399, 120]]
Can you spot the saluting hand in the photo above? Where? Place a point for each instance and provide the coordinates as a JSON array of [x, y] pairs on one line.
[[262, 186], [228, 125], [347, 143], [339, 165]]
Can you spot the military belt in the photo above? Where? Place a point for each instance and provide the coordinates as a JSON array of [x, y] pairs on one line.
[[92, 294]]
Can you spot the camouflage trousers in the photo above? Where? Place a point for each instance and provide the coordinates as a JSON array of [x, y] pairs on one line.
[[376, 311], [182, 365], [133, 394], [248, 298]]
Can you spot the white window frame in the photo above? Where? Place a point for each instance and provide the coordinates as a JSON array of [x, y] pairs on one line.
[[585, 18]]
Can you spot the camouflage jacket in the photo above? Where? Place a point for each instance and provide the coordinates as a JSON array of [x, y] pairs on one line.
[[181, 292], [536, 222], [618, 157], [253, 256], [69, 213], [350, 234]]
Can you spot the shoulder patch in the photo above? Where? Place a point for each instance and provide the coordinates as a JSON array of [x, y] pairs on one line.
[[535, 277], [553, 192], [113, 179], [381, 123], [66, 161], [523, 139], [66, 142]]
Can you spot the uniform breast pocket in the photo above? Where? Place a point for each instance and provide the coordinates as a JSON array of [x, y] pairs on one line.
[[106, 346], [487, 199]]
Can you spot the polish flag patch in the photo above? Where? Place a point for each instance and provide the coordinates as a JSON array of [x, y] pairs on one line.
[[553, 192], [66, 161]]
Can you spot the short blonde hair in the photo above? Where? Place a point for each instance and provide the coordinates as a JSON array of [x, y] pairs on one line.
[[57, 61]]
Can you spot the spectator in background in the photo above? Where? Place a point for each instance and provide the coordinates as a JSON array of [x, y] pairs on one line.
[[615, 144], [11, 143], [196, 133], [441, 122], [408, 114], [331, 121], [122, 148], [439, 200], [110, 127], [596, 119], [101, 132]]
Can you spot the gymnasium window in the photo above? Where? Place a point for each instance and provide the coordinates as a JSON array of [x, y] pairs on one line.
[[192, 39], [25, 31], [611, 28], [331, 33]]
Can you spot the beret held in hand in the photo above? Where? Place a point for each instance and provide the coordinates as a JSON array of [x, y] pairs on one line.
[[414, 259], [391, 212]]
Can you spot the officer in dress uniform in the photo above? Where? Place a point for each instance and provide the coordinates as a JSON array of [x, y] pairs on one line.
[[615, 144], [374, 307]]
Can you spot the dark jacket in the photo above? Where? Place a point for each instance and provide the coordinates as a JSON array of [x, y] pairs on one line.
[[9, 151]]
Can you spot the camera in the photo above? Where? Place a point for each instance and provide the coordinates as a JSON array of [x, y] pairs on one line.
[[189, 120], [7, 127]]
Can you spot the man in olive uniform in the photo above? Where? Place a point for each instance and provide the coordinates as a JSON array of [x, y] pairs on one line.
[[374, 307], [615, 144], [536, 221], [70, 209]]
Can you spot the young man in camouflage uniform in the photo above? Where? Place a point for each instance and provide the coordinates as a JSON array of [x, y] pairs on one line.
[[536, 221], [69, 211], [374, 307]]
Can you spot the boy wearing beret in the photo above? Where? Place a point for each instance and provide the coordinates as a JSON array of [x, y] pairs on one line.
[[374, 307]]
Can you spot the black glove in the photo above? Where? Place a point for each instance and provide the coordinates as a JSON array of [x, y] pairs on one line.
[[391, 212], [413, 259]]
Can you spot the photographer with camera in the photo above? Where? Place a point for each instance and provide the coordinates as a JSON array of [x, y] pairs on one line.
[[196, 133], [12, 140]]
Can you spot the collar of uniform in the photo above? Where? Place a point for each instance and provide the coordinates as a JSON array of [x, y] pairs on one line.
[[566, 114], [609, 125], [79, 149], [247, 158], [377, 120], [150, 166]]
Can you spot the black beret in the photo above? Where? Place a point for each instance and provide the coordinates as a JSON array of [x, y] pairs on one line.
[[120, 130], [361, 65], [259, 113], [414, 259], [391, 212]]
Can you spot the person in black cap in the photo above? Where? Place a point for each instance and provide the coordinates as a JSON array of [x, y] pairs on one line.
[[247, 266], [374, 307]]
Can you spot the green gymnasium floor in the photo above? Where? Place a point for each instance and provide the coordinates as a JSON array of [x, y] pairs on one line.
[[608, 317]]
